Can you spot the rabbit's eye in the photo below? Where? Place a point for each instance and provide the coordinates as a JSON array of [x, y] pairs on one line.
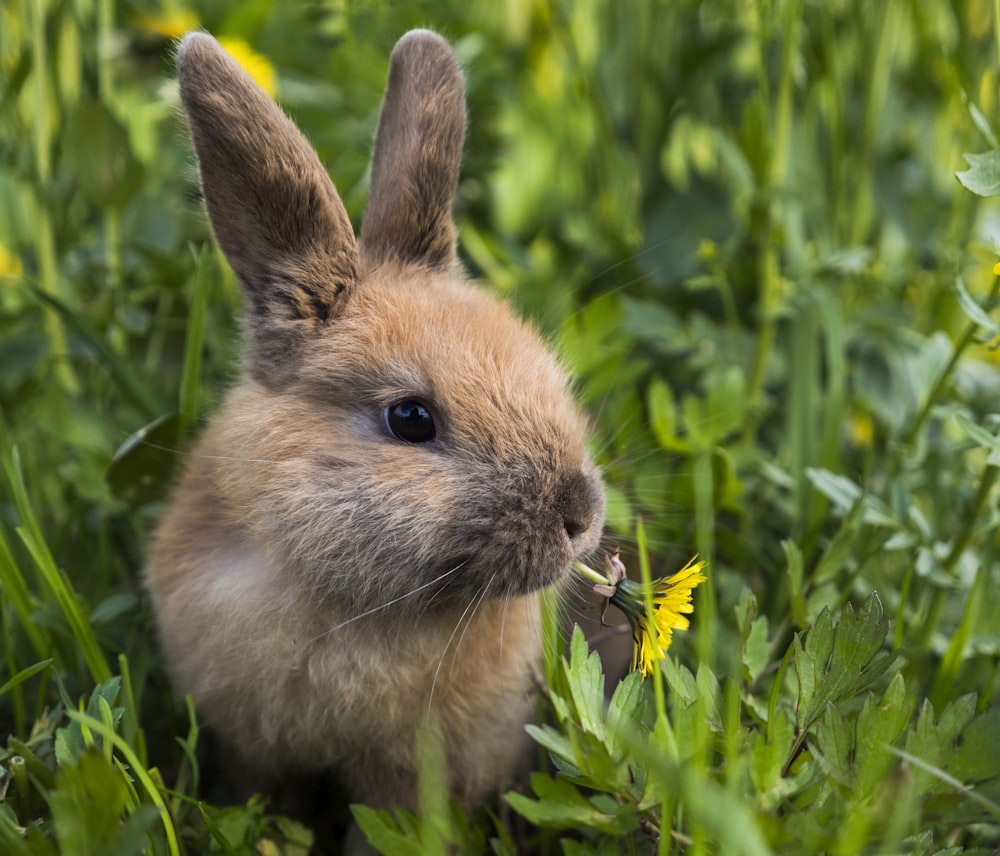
[[410, 421]]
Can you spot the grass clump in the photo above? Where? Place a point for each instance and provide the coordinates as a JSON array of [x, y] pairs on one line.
[[742, 225]]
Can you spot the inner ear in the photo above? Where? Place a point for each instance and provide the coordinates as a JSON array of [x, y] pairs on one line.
[[418, 153]]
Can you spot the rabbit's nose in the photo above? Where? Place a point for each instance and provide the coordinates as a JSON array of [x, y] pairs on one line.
[[579, 502]]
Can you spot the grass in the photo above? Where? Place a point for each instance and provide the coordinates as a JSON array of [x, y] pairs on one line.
[[741, 224]]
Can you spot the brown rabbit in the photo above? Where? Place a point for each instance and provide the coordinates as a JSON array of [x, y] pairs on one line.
[[360, 537]]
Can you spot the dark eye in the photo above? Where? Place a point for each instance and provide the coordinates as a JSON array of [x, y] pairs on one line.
[[410, 421]]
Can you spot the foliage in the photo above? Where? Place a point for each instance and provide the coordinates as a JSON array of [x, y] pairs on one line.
[[741, 224]]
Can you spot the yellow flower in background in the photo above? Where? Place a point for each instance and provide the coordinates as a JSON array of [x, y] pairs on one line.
[[174, 23], [996, 269], [169, 23], [861, 430], [256, 65], [672, 603], [10, 263]]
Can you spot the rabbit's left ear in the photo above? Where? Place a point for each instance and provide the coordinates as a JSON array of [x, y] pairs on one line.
[[418, 152], [274, 210]]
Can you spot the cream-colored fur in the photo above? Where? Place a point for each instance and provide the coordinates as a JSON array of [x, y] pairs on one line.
[[320, 584]]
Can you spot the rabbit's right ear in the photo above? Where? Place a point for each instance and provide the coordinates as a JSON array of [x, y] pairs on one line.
[[274, 210]]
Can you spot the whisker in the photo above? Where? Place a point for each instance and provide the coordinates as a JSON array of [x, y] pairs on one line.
[[444, 653], [503, 624], [389, 603], [208, 457], [481, 599]]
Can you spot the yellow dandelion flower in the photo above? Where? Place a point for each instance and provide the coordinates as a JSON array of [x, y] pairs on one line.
[[861, 430], [10, 263], [996, 269], [257, 65], [168, 23], [672, 603]]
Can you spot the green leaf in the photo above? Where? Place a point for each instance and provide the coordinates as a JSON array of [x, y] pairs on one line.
[[87, 805], [756, 652], [119, 368], [838, 662], [878, 726], [97, 146], [983, 175], [560, 805], [625, 712], [977, 758], [834, 745], [663, 416], [973, 311], [383, 832], [586, 684], [845, 494], [555, 741]]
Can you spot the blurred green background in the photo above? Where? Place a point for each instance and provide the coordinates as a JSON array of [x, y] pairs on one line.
[[739, 221]]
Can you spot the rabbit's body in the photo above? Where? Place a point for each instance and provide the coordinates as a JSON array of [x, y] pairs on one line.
[[360, 537]]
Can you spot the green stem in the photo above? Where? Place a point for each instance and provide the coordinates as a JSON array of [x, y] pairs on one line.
[[996, 26], [945, 376], [768, 263], [105, 90], [704, 521], [878, 84], [45, 245], [662, 723], [958, 547], [590, 574]]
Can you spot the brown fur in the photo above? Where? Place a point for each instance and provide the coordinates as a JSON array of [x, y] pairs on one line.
[[320, 585]]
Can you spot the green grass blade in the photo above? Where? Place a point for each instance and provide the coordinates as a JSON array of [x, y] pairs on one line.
[[137, 769], [194, 342], [51, 576], [139, 391], [15, 589], [23, 675]]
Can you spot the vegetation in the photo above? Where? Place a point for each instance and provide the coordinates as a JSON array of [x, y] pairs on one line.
[[740, 221]]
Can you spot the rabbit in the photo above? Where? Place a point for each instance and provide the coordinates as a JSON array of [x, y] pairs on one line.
[[359, 539]]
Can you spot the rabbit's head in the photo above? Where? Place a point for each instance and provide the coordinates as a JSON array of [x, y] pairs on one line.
[[397, 430]]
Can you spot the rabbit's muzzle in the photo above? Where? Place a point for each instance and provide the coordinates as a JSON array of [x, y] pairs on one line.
[[531, 531]]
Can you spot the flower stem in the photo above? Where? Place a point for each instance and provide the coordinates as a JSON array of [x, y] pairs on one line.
[[590, 574], [651, 629]]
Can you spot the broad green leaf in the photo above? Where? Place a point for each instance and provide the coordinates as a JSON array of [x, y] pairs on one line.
[[562, 806], [835, 745], [973, 311], [844, 494], [384, 834], [585, 681], [625, 712], [837, 662], [840, 549], [977, 757], [756, 652], [979, 435], [87, 805], [555, 741], [878, 726], [983, 175]]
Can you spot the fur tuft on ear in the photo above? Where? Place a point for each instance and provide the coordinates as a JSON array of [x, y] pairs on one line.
[[418, 152], [274, 210]]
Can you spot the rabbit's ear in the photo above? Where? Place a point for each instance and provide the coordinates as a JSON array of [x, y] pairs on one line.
[[418, 152], [274, 210]]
